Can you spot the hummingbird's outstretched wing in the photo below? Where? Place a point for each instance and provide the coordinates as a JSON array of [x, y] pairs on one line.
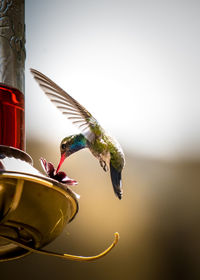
[[73, 110]]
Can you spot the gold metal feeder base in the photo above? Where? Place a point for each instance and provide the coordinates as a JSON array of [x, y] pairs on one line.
[[33, 212], [34, 209]]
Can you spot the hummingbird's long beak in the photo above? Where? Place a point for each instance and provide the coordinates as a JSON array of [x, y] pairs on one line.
[[63, 157]]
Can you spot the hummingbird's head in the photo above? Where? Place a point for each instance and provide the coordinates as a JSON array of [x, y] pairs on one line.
[[70, 145]]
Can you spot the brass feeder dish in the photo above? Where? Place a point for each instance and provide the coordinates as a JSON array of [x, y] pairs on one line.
[[34, 209]]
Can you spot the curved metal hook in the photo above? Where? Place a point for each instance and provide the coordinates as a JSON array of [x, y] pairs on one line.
[[65, 256]]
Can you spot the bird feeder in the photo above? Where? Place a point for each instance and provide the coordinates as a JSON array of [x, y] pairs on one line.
[[34, 208]]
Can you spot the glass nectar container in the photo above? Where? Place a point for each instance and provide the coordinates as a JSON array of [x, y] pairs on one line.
[[12, 59]]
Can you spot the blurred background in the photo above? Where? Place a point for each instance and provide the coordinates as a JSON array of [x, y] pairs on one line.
[[135, 66]]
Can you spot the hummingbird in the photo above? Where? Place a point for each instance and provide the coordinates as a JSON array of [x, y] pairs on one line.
[[104, 147]]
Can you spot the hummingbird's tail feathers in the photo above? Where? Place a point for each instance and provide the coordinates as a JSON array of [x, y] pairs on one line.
[[116, 181]]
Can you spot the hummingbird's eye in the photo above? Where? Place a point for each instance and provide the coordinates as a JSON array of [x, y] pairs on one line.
[[63, 146]]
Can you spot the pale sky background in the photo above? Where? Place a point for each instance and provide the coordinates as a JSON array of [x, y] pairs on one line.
[[133, 64]]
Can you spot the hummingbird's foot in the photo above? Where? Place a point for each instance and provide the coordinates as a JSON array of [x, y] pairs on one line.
[[103, 165], [105, 168]]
